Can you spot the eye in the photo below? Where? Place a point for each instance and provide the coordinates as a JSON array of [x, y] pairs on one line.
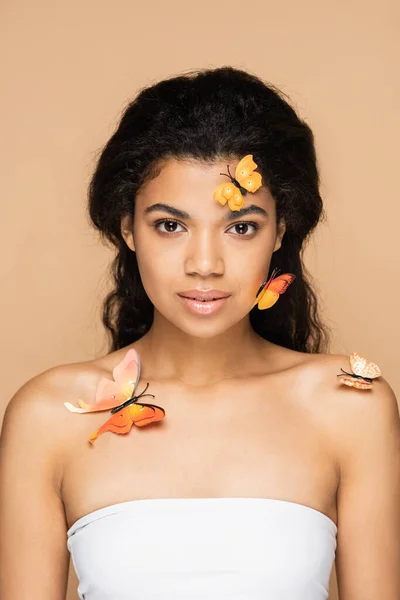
[[243, 228], [170, 226]]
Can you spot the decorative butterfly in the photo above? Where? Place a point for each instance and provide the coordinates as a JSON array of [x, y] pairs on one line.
[[245, 180], [271, 289], [118, 396], [363, 373]]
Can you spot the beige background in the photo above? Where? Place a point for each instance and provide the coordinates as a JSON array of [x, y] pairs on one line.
[[69, 68]]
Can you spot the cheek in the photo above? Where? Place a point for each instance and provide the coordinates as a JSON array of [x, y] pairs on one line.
[[246, 273], [156, 271]]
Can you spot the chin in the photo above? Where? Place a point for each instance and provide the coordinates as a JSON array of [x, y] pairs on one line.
[[204, 327]]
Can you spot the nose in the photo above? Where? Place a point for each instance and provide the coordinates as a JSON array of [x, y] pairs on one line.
[[204, 255]]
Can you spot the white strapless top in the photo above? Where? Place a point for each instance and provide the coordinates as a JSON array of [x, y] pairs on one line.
[[203, 548]]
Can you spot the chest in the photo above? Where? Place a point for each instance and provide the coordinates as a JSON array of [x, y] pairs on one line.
[[253, 444]]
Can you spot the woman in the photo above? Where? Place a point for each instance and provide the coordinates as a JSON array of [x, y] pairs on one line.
[[261, 465]]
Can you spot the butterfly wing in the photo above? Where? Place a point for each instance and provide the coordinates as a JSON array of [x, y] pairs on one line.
[[246, 175], [360, 366], [272, 290], [228, 192], [360, 384], [267, 300], [122, 421], [127, 373], [280, 284], [112, 393], [263, 290], [149, 413]]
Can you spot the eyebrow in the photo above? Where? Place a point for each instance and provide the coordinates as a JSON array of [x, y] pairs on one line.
[[253, 209]]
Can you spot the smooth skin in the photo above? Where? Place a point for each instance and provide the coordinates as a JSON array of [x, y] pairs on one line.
[[244, 417]]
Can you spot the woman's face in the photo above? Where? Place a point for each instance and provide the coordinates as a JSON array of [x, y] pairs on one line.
[[186, 241]]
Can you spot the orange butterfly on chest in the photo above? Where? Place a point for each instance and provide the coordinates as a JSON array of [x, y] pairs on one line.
[[118, 397], [364, 372]]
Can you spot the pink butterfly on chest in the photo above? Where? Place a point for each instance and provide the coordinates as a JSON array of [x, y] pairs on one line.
[[118, 397]]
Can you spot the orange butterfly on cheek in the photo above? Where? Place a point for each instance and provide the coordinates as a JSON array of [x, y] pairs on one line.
[[245, 180], [363, 373], [118, 397], [272, 289]]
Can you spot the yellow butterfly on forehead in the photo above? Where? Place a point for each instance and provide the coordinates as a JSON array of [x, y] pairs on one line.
[[246, 180]]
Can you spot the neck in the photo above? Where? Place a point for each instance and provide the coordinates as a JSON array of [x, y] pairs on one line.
[[167, 353]]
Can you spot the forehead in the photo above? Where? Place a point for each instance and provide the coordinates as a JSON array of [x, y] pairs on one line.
[[186, 182]]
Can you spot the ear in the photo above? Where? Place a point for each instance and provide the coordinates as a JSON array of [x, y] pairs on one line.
[[127, 231], [279, 234]]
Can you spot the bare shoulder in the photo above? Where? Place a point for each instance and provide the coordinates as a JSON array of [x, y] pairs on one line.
[[314, 377], [39, 404], [344, 401], [356, 419], [41, 399], [42, 394], [349, 401], [36, 414], [49, 389]]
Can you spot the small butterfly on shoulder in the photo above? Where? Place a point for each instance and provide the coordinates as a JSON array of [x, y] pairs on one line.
[[364, 372]]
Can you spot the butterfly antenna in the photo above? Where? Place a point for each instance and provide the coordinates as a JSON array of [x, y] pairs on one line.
[[346, 373], [143, 393], [147, 385]]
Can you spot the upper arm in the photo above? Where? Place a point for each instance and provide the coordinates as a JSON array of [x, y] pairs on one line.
[[368, 544], [34, 556]]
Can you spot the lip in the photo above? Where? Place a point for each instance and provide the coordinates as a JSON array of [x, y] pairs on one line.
[[199, 307], [204, 295], [208, 306]]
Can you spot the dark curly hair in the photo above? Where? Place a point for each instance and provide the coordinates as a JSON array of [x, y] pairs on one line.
[[207, 115]]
